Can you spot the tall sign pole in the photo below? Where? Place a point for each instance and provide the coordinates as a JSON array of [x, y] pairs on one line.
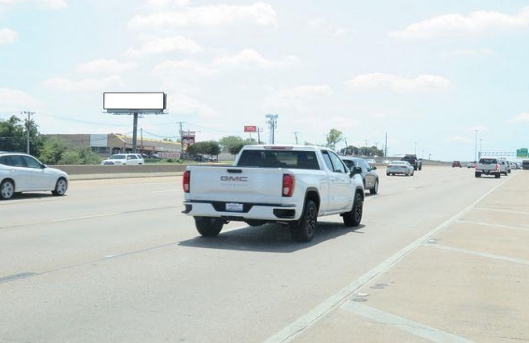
[[272, 124]]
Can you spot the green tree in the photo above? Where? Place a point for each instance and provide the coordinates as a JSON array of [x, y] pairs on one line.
[[228, 141], [52, 150], [14, 134], [334, 137], [236, 148], [207, 147], [80, 156]]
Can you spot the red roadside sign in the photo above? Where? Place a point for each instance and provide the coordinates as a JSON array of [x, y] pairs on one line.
[[250, 128]]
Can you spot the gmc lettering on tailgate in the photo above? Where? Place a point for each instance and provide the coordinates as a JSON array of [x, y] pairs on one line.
[[234, 178]]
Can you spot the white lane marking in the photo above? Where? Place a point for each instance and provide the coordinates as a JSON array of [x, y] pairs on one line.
[[403, 324], [480, 254], [464, 221], [291, 331], [500, 210], [86, 217]]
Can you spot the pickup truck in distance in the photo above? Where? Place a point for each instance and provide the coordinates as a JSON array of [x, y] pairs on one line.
[[413, 160], [488, 166], [289, 185]]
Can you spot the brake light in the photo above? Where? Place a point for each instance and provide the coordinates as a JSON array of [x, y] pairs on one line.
[[186, 179], [289, 182]]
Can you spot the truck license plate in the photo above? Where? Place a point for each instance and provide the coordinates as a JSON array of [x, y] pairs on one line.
[[233, 207]]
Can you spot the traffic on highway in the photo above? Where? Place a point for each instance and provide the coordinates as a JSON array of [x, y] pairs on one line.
[[437, 257]]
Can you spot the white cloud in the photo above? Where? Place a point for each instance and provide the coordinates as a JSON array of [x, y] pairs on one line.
[[15, 100], [459, 139], [182, 104], [105, 66], [295, 99], [185, 66], [323, 25], [519, 118], [251, 58], [456, 25], [470, 53], [304, 91], [260, 14], [83, 85], [8, 36], [165, 45], [53, 4], [398, 83]]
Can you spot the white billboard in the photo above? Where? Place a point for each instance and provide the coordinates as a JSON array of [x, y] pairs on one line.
[[123, 101]]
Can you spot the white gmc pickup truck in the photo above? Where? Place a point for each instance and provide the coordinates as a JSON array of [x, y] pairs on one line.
[[290, 185]]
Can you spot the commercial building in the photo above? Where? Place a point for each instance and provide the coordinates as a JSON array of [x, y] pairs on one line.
[[113, 143]]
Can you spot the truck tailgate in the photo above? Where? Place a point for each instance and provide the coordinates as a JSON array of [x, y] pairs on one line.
[[236, 184]]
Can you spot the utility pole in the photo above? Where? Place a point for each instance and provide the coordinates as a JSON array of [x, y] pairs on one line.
[[259, 135], [28, 122], [386, 146], [296, 135], [272, 124], [476, 146]]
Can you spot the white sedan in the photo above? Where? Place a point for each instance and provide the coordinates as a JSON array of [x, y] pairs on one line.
[[24, 173], [399, 167]]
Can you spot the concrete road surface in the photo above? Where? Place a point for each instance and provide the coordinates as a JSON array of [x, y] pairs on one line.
[[439, 257]]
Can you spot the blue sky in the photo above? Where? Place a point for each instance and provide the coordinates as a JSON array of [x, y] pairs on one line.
[[440, 77]]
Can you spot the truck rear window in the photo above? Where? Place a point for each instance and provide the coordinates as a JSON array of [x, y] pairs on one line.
[[488, 161], [279, 159]]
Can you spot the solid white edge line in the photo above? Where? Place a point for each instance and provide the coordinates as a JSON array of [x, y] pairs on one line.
[[291, 331], [480, 254], [403, 324], [493, 225]]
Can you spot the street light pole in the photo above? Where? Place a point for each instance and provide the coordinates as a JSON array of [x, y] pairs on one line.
[[28, 126], [476, 146]]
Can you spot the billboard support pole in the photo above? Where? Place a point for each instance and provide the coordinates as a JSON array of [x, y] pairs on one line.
[[135, 133]]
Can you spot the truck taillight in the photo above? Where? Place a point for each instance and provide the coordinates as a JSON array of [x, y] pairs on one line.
[[289, 182], [186, 181]]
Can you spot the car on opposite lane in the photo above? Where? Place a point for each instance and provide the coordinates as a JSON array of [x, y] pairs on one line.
[[400, 167], [21, 172], [123, 159], [369, 174]]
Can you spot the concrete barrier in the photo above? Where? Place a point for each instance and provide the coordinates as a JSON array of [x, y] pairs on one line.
[[79, 172]]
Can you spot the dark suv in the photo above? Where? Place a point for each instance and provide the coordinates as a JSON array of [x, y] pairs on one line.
[[413, 160]]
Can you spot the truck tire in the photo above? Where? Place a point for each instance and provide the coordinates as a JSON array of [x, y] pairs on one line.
[[354, 217], [303, 230], [497, 176], [477, 174], [208, 227]]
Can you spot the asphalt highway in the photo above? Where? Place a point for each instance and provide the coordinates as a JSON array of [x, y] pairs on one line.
[[439, 257]]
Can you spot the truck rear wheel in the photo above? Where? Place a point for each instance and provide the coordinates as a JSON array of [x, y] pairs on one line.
[[208, 227], [354, 217], [303, 230], [497, 176]]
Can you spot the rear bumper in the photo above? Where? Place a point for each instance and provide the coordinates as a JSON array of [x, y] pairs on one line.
[[266, 212]]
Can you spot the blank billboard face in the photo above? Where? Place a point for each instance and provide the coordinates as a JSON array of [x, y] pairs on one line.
[[134, 101]]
